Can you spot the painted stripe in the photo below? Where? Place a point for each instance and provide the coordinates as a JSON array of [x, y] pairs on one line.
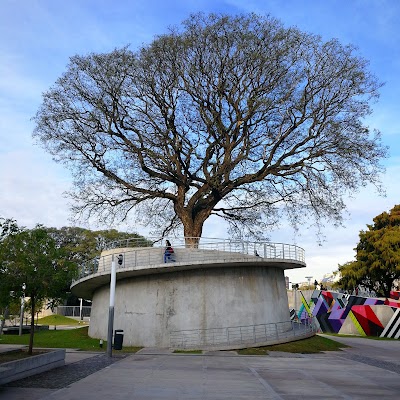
[[396, 335], [392, 325], [395, 331], [357, 324], [304, 301]]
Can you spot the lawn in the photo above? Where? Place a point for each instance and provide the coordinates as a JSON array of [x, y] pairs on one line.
[[78, 339], [188, 351], [315, 344], [59, 320], [71, 338], [359, 336]]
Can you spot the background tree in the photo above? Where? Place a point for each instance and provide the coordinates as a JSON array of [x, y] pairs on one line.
[[82, 246], [8, 226], [350, 277], [377, 264], [32, 257], [235, 116]]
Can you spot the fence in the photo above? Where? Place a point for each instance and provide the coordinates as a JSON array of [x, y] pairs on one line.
[[262, 249], [205, 250], [240, 336], [74, 311]]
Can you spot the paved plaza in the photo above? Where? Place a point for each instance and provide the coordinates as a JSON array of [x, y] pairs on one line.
[[370, 369]]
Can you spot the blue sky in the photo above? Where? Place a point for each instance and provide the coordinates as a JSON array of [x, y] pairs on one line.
[[37, 37]]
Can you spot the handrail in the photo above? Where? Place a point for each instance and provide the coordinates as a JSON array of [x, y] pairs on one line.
[[262, 249], [206, 250], [238, 245], [212, 250], [239, 336]]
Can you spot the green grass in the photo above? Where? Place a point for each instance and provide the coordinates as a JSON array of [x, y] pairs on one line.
[[315, 344], [358, 336], [72, 338], [78, 339], [188, 351], [59, 320]]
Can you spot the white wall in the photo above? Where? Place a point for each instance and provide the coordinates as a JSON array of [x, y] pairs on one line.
[[148, 307]]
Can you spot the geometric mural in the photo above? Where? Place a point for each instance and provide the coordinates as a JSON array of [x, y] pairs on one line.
[[392, 329], [348, 314]]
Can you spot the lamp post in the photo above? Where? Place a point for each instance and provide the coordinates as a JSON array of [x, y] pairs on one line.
[[111, 308], [21, 319], [295, 286], [80, 310], [309, 281]]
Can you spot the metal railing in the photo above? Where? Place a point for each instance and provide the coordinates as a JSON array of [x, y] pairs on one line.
[[191, 250], [262, 249], [74, 311], [241, 335]]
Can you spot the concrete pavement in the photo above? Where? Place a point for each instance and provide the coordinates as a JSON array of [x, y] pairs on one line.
[[369, 370], [380, 350]]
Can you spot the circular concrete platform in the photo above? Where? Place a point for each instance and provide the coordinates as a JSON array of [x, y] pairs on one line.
[[202, 289]]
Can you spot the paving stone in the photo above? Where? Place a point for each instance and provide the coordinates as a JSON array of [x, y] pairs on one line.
[[61, 377]]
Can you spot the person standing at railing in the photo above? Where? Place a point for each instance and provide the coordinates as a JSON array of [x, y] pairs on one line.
[[168, 252]]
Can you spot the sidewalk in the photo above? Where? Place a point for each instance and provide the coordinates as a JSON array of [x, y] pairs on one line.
[[383, 350], [369, 370]]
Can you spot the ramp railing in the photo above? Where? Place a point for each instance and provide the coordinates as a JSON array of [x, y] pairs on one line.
[[240, 336]]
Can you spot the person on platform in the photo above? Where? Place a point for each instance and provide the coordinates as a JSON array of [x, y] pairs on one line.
[[168, 252]]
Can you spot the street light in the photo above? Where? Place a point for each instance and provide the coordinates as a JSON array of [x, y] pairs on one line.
[[21, 319], [111, 308], [309, 281], [295, 286]]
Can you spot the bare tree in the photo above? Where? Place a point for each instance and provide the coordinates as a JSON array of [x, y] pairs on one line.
[[235, 116]]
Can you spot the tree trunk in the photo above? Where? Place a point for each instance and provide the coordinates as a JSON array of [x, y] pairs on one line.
[[32, 324], [192, 224], [192, 233], [388, 287]]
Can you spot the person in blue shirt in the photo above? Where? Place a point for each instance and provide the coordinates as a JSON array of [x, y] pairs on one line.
[[168, 252]]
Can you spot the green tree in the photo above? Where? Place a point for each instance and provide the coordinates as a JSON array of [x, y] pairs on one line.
[[8, 226], [350, 276], [31, 257], [377, 264], [235, 116], [82, 246]]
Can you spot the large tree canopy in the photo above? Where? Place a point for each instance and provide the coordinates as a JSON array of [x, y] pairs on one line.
[[235, 116], [377, 264]]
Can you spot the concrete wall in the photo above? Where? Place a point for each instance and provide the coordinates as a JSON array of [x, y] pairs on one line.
[[19, 369], [295, 297], [148, 307]]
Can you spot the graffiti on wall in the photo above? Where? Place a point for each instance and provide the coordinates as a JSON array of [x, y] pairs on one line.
[[348, 314]]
